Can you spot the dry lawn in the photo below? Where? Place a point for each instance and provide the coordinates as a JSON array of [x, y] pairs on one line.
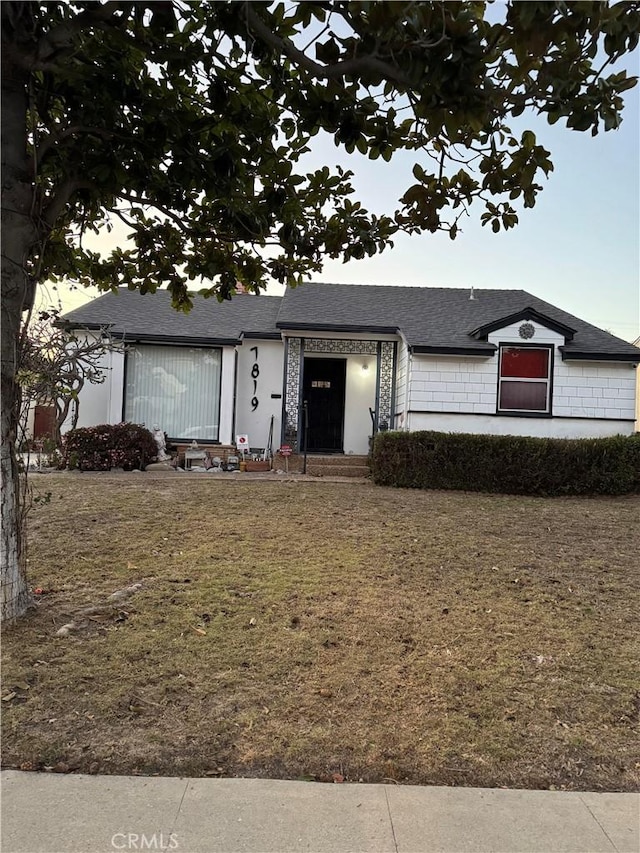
[[328, 631]]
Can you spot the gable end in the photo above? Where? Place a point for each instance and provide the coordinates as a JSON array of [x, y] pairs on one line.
[[482, 332]]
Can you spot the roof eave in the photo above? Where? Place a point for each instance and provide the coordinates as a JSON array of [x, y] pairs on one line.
[[582, 355], [63, 323], [182, 340], [422, 349], [336, 327], [262, 336]]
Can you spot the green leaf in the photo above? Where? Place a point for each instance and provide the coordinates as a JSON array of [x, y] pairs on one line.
[[199, 114], [419, 173]]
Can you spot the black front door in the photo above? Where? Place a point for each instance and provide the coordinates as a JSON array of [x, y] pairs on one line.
[[323, 390]]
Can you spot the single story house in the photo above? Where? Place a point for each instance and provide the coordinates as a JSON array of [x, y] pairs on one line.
[[347, 360]]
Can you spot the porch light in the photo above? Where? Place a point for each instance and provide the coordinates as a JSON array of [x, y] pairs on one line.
[[365, 366]]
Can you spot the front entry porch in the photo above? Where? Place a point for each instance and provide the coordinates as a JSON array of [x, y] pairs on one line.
[[324, 383], [337, 393]]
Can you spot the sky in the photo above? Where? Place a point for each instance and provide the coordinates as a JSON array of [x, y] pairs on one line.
[[578, 248]]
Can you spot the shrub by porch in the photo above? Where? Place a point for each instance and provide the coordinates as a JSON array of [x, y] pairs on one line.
[[107, 446], [507, 464]]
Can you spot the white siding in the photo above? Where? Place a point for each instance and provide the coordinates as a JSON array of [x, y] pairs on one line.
[[227, 392], [116, 388], [270, 363], [509, 334], [400, 404], [452, 384], [537, 427], [594, 390], [360, 395], [459, 394], [102, 404]]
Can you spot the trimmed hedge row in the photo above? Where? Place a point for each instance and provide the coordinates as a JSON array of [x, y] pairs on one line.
[[107, 446], [507, 464]]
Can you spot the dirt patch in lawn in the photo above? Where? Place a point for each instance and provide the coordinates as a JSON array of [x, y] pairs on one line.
[[328, 631]]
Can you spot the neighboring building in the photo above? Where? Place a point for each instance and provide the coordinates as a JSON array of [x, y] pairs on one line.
[[39, 422], [483, 361], [636, 343]]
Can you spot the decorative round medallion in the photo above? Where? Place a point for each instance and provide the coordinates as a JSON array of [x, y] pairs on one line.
[[527, 331]]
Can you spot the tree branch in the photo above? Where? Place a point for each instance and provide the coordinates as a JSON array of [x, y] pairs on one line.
[[356, 65], [60, 38], [61, 197], [55, 138], [62, 35], [144, 202]]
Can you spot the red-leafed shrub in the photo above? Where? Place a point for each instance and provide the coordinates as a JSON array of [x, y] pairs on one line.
[[107, 446]]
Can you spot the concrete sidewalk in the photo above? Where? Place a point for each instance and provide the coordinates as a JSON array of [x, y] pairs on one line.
[[42, 812]]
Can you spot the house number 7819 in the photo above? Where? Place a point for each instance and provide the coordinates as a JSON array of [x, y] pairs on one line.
[[255, 372]]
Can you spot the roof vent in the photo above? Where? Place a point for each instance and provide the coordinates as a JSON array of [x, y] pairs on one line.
[[471, 293]]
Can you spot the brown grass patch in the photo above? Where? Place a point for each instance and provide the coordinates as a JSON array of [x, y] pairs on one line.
[[303, 629]]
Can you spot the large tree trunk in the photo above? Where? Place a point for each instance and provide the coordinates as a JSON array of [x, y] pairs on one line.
[[18, 242]]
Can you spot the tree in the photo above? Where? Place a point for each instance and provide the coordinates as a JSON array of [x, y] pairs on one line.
[[190, 121], [54, 364]]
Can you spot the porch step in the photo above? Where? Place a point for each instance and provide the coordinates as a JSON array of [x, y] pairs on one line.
[[347, 465], [317, 470]]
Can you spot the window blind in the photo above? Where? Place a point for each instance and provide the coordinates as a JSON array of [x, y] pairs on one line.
[[177, 388]]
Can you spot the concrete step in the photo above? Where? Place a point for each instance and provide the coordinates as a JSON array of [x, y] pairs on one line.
[[337, 460], [339, 465], [317, 470], [347, 465]]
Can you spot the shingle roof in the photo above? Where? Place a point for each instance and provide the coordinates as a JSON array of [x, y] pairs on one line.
[[432, 317], [429, 318], [151, 316]]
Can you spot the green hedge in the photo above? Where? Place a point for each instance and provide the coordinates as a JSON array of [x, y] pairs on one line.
[[507, 464], [107, 446]]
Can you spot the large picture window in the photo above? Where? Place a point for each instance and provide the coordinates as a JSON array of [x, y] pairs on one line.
[[524, 384], [177, 388]]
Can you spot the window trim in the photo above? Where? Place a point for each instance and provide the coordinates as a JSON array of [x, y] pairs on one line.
[[526, 413]]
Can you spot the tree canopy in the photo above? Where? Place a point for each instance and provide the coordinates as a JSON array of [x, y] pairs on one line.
[[190, 122]]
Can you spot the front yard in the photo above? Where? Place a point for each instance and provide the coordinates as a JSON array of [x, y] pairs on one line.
[[328, 631]]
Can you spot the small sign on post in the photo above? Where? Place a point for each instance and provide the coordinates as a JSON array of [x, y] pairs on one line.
[[285, 451], [242, 444]]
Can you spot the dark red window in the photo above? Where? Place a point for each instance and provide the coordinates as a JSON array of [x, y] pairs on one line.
[[525, 380], [524, 362]]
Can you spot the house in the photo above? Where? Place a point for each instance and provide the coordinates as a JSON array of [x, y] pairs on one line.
[[352, 359]]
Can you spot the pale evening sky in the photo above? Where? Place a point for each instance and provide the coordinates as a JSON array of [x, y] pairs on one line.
[[578, 248]]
